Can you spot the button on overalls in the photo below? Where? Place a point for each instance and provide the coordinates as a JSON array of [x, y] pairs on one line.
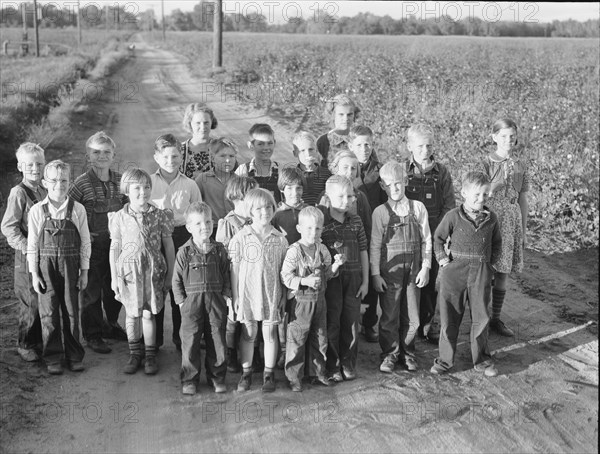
[[400, 264], [59, 252]]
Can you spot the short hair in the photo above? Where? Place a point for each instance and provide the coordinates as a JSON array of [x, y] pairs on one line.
[[504, 123], [419, 130], [29, 148], [335, 161], [289, 176], [166, 141], [393, 169], [338, 181], [311, 213], [99, 138], [194, 108], [304, 135], [216, 145], [201, 208], [340, 100], [359, 130], [131, 176], [255, 197], [261, 128], [475, 179], [59, 166], [237, 187]]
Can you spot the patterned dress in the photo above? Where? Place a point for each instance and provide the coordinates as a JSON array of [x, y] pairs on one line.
[[509, 178], [141, 266], [194, 163], [259, 283]]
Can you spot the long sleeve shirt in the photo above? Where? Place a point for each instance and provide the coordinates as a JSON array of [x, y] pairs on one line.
[[36, 222], [468, 241], [381, 219], [297, 265], [177, 196], [15, 221]]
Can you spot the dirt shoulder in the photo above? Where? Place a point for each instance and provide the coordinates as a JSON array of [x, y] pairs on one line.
[[545, 398]]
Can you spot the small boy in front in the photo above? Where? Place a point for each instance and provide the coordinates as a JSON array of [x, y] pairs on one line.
[[30, 162], [429, 182], [343, 233], [305, 271], [360, 142], [309, 163], [173, 190], [58, 254], [400, 260], [201, 285], [98, 191], [467, 272]]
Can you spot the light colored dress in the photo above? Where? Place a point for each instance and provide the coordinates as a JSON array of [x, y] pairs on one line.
[[141, 266], [509, 178], [259, 283]]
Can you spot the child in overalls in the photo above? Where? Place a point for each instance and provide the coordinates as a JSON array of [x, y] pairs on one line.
[[400, 261], [306, 269], [261, 167], [30, 162], [343, 233], [201, 284], [58, 252], [98, 191]]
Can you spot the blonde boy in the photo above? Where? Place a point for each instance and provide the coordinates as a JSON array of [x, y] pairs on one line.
[[98, 191], [30, 162], [400, 261], [173, 190], [58, 253]]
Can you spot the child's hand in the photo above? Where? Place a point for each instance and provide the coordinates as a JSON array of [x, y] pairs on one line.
[[422, 278], [379, 283], [363, 290], [312, 281], [83, 280], [38, 284], [339, 259]]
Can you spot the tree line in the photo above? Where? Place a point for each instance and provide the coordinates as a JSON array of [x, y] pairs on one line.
[[201, 19]]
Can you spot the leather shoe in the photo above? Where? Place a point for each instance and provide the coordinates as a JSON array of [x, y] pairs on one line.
[[99, 346]]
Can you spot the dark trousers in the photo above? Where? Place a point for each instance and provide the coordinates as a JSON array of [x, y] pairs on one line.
[[180, 236], [429, 299], [98, 292], [30, 328], [369, 318], [464, 282], [307, 324], [59, 306], [203, 314], [343, 315], [399, 314]]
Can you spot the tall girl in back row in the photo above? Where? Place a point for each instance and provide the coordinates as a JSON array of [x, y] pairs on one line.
[[508, 199]]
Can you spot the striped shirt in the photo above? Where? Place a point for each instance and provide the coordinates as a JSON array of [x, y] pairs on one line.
[[346, 237], [315, 183]]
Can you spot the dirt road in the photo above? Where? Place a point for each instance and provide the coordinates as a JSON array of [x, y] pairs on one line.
[[544, 400]]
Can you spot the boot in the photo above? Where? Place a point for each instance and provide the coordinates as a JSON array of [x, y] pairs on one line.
[[135, 357], [150, 367], [268, 382], [232, 361]]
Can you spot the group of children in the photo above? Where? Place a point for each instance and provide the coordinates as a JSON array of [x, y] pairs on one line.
[[259, 252]]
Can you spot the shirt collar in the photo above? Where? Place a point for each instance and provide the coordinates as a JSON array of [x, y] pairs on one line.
[[61, 207], [252, 165], [336, 139], [412, 164], [159, 175], [248, 230]]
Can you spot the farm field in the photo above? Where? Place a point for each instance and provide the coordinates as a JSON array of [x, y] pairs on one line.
[[459, 85]]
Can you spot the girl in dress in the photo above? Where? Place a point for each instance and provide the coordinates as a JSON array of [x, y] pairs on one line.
[[343, 112], [257, 252], [198, 120], [141, 275], [508, 199]]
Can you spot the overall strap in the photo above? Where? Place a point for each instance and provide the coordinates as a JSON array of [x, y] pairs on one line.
[[411, 207], [69, 209], [46, 211], [29, 192], [389, 209]]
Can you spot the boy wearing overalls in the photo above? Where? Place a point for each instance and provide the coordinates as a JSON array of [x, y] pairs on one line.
[[98, 191], [30, 162], [400, 260], [58, 254]]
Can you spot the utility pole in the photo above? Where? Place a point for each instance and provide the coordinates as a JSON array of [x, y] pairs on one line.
[[218, 34], [162, 13], [79, 38], [24, 44], [35, 29], [106, 18]]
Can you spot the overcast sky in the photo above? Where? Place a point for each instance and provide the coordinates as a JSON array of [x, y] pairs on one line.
[[278, 11]]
